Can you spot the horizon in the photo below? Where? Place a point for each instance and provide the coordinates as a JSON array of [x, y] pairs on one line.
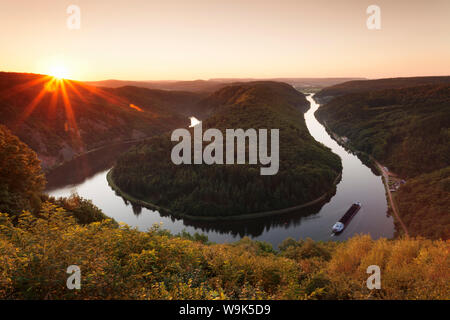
[[151, 40], [230, 78]]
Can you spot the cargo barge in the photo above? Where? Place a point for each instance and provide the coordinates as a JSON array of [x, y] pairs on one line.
[[339, 226]]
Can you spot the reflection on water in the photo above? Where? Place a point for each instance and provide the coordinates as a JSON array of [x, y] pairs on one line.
[[75, 172], [240, 228], [87, 177]]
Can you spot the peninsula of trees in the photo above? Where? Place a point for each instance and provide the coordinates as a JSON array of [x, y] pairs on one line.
[[307, 169]]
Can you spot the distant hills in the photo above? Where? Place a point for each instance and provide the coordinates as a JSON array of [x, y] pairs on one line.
[[212, 85], [193, 86]]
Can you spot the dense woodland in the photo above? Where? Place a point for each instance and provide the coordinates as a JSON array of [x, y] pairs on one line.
[[307, 168], [360, 86], [424, 204], [40, 239], [406, 130]]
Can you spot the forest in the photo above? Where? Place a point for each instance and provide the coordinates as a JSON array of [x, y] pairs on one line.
[[407, 130], [360, 86], [307, 170]]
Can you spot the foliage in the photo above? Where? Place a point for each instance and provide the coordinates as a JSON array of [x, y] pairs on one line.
[[307, 168], [22, 179], [410, 269], [83, 210], [123, 263], [424, 203]]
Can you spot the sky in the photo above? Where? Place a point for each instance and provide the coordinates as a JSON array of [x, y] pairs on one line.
[[197, 39]]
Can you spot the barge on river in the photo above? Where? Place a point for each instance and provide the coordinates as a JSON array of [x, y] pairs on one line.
[[339, 226]]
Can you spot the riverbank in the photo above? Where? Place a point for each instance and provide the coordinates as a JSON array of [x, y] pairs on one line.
[[247, 216], [390, 197], [105, 146], [373, 163]]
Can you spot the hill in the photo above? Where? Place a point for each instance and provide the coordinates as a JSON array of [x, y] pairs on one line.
[[360, 86], [160, 102], [61, 118], [307, 169], [408, 131], [197, 86]]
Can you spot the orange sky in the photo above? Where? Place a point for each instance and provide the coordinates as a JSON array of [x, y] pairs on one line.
[[197, 39]]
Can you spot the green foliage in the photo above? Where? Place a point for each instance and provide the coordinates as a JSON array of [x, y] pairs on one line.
[[195, 237], [307, 168], [22, 180]]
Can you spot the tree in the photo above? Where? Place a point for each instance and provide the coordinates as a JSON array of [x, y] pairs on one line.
[[22, 179]]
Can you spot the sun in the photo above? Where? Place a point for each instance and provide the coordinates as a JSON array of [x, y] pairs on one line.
[[59, 71]]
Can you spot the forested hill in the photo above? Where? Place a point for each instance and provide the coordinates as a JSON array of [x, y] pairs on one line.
[[161, 102], [406, 130], [61, 118], [359, 86], [253, 93], [307, 168]]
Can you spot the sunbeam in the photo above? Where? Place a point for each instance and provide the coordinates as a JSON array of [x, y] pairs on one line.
[[21, 87], [71, 123]]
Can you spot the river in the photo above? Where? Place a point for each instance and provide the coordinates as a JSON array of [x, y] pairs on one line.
[[87, 177]]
